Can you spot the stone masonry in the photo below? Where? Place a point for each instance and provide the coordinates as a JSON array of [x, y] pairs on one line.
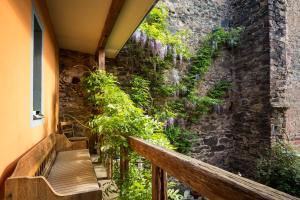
[[251, 104], [293, 65], [73, 66]]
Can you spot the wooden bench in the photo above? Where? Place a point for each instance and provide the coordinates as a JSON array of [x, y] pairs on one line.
[[53, 170]]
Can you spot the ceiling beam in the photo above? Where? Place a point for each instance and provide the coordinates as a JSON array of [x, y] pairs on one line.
[[112, 16]]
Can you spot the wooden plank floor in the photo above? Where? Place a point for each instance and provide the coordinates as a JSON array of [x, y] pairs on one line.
[[103, 181]]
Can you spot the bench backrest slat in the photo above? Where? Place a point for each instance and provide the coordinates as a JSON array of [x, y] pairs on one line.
[[38, 160]]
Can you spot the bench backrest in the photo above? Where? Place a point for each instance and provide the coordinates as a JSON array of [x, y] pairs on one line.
[[38, 161]]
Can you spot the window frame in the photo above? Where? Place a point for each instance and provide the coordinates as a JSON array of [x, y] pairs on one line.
[[35, 17]]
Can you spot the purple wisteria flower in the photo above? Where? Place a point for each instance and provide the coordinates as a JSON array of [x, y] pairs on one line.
[[170, 122], [152, 46], [158, 46], [137, 36], [174, 56], [143, 39], [180, 59]]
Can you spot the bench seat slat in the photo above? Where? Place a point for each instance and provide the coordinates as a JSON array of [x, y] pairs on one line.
[[72, 172]]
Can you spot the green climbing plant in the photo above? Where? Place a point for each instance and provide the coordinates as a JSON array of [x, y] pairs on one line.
[[180, 138], [140, 92], [209, 50], [156, 26], [219, 89]]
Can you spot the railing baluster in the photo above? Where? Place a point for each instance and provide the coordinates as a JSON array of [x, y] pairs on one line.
[[159, 183]]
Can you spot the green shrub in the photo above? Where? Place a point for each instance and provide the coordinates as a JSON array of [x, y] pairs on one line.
[[281, 169], [119, 116], [163, 113], [117, 119], [138, 184]]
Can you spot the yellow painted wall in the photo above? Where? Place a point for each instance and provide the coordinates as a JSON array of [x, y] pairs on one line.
[[16, 134]]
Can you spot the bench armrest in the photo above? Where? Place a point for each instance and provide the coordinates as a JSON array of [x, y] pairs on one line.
[[66, 144]]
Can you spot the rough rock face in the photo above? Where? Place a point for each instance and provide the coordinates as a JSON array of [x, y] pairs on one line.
[[201, 17], [73, 66], [214, 143], [293, 66], [251, 74], [235, 137]]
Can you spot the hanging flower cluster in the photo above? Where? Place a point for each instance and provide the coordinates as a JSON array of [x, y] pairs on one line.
[[155, 34], [157, 47]]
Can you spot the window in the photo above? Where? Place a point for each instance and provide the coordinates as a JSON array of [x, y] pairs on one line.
[[37, 70]]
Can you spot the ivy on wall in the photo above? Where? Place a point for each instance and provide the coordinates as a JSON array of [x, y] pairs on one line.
[[208, 51], [140, 92]]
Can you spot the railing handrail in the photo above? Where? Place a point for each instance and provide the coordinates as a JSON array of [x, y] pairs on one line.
[[206, 179]]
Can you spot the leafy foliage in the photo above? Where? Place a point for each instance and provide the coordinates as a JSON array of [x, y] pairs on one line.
[[218, 91], [209, 50], [156, 27], [180, 138], [281, 169], [119, 117], [174, 194], [140, 92], [138, 184], [116, 118], [203, 104]]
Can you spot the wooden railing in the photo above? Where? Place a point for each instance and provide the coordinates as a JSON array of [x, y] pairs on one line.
[[211, 182]]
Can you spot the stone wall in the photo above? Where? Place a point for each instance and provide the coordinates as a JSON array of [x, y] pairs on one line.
[[214, 143], [278, 68], [214, 136], [293, 64], [73, 66], [251, 104], [200, 17]]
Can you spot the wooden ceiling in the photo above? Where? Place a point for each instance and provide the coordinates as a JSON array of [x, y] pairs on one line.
[[90, 25]]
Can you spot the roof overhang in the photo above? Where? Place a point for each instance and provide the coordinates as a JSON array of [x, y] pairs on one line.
[[88, 25]]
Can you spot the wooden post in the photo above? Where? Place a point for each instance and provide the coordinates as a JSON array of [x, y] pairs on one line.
[[159, 183], [109, 166], [124, 163], [101, 59], [99, 146]]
